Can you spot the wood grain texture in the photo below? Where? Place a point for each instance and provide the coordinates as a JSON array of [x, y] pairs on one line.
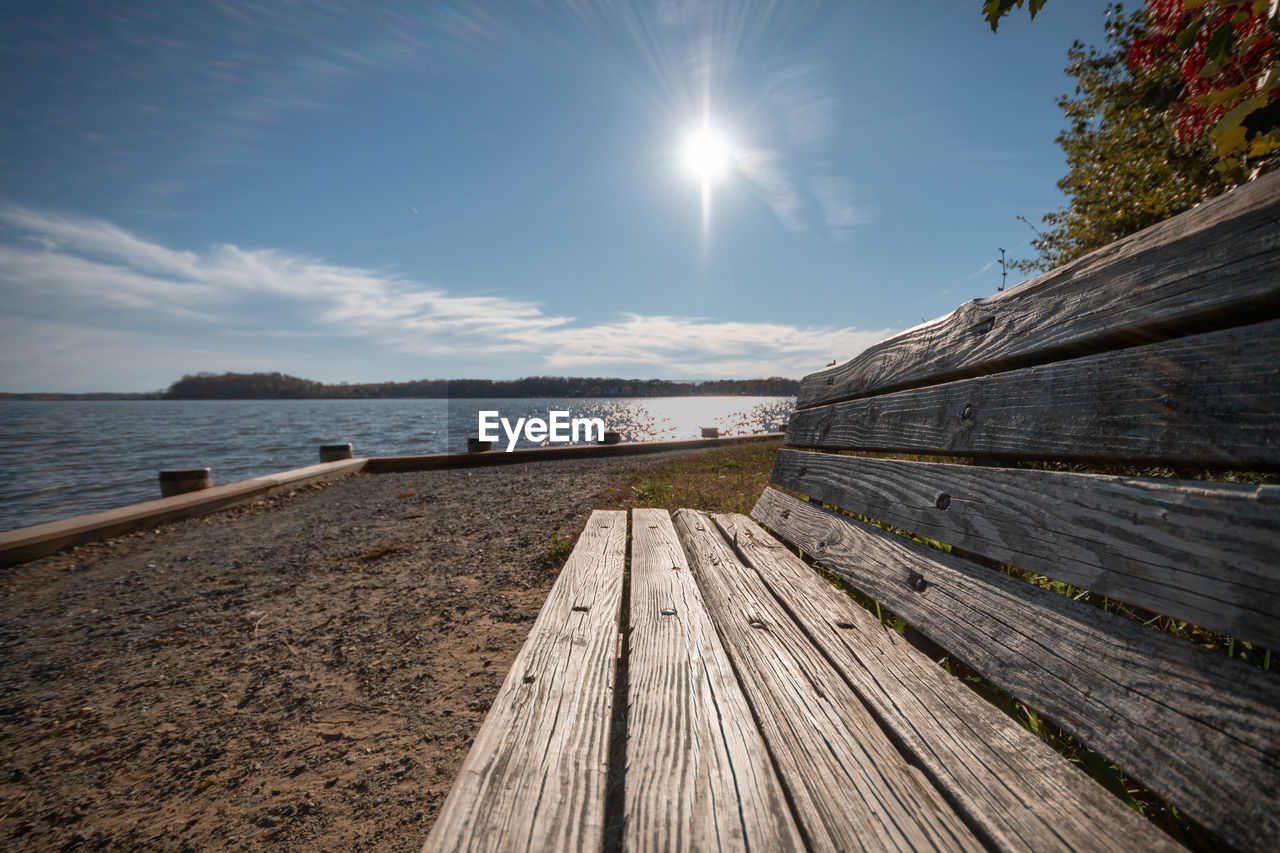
[[1201, 730], [1203, 552], [1017, 792], [535, 776], [849, 786], [1216, 265], [1208, 399], [698, 775]]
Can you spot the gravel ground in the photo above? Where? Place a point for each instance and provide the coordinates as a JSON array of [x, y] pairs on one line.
[[306, 673]]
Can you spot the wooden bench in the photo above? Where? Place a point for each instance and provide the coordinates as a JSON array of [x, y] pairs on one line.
[[724, 695]]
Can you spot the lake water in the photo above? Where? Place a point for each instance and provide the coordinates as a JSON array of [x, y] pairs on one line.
[[59, 459]]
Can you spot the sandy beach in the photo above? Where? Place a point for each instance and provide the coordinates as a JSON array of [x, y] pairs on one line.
[[305, 673]]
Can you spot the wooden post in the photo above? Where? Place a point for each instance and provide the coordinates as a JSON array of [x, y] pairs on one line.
[[611, 438], [187, 480], [711, 432], [334, 452], [475, 445]]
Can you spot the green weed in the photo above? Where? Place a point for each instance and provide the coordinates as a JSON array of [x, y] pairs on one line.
[[557, 553]]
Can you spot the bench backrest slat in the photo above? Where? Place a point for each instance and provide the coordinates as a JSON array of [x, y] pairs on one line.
[[1203, 552], [1174, 401], [1202, 732], [1162, 349], [1215, 266]]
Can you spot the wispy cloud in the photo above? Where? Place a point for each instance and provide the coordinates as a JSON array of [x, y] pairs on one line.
[[118, 284], [803, 110], [838, 210], [808, 108], [988, 265], [693, 346], [764, 170]]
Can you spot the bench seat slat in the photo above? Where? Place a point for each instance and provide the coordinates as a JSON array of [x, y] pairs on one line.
[[1214, 264], [1203, 552], [698, 774], [1169, 401], [1007, 782], [535, 776], [1203, 731], [850, 787]]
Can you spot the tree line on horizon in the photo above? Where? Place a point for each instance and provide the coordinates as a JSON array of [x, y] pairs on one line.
[[280, 386]]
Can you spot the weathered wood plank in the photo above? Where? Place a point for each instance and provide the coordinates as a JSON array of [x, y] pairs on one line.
[[535, 776], [1207, 399], [850, 788], [1203, 552], [1216, 265], [698, 774], [1017, 792], [1201, 730]]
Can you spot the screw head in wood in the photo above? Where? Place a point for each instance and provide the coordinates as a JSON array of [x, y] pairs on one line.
[[943, 501], [668, 611], [967, 414], [917, 582], [756, 623]]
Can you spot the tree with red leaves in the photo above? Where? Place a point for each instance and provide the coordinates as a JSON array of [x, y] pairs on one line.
[[1228, 57], [1181, 106]]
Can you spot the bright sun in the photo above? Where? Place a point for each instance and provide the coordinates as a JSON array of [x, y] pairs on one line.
[[706, 155]]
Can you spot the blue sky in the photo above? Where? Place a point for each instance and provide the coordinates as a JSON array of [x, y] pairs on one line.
[[498, 189]]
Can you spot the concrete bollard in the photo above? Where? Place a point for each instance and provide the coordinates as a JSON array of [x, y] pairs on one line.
[[334, 452], [475, 445], [611, 438], [181, 482], [711, 432]]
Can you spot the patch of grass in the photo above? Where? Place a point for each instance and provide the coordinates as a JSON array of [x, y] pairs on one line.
[[729, 479], [557, 553]]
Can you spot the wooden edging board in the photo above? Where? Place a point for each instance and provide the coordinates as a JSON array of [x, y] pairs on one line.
[[41, 540]]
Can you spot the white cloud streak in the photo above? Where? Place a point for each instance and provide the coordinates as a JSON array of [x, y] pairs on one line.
[[118, 281], [809, 110], [838, 210], [988, 265], [764, 170]]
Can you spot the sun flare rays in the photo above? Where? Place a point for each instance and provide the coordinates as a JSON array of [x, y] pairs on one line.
[[707, 156]]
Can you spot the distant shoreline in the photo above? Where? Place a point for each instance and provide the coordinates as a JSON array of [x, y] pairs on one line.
[[130, 398], [279, 386]]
